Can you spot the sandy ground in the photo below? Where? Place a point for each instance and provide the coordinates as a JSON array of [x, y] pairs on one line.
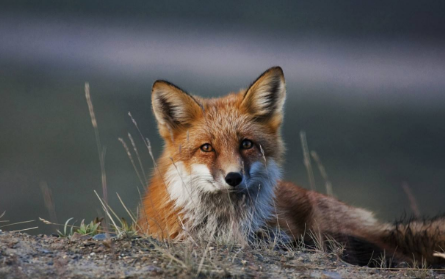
[[49, 256]]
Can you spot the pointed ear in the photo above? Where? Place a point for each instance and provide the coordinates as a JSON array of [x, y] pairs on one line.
[[173, 107], [265, 97]]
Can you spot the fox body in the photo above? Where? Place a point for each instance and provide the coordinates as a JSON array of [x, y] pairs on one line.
[[219, 178]]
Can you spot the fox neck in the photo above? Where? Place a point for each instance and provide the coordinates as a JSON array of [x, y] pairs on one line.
[[223, 215]]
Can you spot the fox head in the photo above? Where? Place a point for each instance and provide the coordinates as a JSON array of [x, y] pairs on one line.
[[221, 156]]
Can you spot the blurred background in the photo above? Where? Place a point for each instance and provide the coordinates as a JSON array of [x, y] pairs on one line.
[[365, 81]]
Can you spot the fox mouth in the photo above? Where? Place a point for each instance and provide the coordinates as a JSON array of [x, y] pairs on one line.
[[221, 185], [245, 188]]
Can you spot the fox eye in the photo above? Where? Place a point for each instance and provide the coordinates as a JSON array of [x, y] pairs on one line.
[[246, 144], [206, 147]]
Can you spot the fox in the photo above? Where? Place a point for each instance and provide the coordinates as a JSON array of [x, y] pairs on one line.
[[219, 178]]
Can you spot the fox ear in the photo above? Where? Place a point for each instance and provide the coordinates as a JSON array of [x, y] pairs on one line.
[[173, 107], [265, 97]]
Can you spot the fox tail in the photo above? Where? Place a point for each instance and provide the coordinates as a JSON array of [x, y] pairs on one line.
[[420, 243]]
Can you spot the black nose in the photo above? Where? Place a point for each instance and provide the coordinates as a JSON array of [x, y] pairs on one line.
[[234, 178]]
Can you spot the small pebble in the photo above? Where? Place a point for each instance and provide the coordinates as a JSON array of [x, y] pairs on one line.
[[103, 236]]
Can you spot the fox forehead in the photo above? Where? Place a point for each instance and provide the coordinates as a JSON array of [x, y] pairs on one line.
[[221, 118]]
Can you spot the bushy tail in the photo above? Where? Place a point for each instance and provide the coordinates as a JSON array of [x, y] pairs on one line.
[[418, 241]]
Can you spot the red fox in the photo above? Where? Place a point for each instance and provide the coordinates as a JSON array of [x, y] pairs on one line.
[[219, 178]]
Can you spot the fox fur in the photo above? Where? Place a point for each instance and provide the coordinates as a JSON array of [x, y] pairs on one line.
[[206, 140]]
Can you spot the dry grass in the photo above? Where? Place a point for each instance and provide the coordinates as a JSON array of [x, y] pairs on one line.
[[324, 174], [7, 224], [412, 200], [307, 160]]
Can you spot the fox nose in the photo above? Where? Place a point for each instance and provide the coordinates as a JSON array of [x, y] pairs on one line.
[[234, 178]]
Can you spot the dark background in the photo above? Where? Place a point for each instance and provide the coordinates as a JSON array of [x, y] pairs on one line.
[[365, 80]]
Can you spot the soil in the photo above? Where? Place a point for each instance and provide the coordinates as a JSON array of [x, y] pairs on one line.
[[49, 256]]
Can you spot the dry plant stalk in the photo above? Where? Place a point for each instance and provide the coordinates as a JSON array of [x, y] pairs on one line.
[[49, 201], [107, 212], [27, 229], [307, 160], [139, 158], [100, 149], [204, 255], [412, 200], [17, 223], [1, 216], [323, 173], [132, 161]]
